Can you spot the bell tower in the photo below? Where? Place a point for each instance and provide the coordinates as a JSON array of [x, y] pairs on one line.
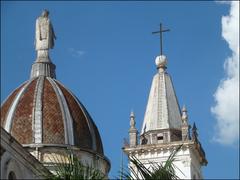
[[165, 127]]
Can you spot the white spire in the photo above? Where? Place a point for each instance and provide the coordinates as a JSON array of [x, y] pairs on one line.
[[162, 110]]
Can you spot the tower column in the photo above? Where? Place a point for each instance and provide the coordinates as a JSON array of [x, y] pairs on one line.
[[185, 126]]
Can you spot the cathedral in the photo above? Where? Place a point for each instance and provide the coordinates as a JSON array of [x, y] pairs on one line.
[[165, 128], [42, 118]]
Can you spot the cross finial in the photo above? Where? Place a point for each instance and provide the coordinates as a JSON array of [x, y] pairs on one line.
[[161, 37]]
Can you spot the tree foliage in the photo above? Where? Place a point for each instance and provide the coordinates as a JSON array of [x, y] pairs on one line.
[[70, 167]]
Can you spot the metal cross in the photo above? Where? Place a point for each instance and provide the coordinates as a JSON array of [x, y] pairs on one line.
[[161, 37]]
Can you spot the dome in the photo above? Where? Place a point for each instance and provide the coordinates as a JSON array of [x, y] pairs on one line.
[[43, 111], [46, 118]]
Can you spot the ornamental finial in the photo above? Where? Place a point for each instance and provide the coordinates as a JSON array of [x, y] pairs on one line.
[[161, 62], [184, 114], [132, 120]]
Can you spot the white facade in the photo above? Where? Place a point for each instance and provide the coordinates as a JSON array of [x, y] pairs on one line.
[[18, 163], [47, 155], [165, 128], [186, 159]]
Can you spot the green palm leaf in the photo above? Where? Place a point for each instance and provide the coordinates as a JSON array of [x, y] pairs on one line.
[[155, 170], [67, 166]]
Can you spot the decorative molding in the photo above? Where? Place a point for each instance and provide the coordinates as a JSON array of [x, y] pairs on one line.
[[11, 111], [68, 122], [89, 122], [37, 111]]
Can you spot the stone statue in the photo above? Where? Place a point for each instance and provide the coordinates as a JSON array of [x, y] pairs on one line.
[[44, 36]]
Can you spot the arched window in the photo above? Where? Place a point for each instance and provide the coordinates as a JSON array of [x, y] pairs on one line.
[[194, 176], [12, 175]]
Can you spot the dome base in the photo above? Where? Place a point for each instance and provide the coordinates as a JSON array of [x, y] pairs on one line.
[[43, 69]]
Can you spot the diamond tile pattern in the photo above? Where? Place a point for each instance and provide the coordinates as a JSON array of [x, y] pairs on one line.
[[82, 135], [53, 128], [7, 104], [22, 120], [52, 118]]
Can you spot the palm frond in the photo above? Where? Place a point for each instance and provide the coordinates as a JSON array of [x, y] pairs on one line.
[[67, 166], [154, 170]]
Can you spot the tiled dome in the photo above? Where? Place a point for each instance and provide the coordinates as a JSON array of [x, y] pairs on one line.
[[43, 111], [46, 118]]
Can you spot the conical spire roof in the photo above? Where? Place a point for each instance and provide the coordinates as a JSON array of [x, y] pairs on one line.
[[162, 111]]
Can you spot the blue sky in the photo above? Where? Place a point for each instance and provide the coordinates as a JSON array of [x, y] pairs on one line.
[[105, 54]]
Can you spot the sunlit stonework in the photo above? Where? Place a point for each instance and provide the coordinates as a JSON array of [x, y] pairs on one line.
[[43, 119], [165, 127]]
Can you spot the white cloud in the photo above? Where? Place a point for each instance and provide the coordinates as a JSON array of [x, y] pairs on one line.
[[226, 109], [76, 53]]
